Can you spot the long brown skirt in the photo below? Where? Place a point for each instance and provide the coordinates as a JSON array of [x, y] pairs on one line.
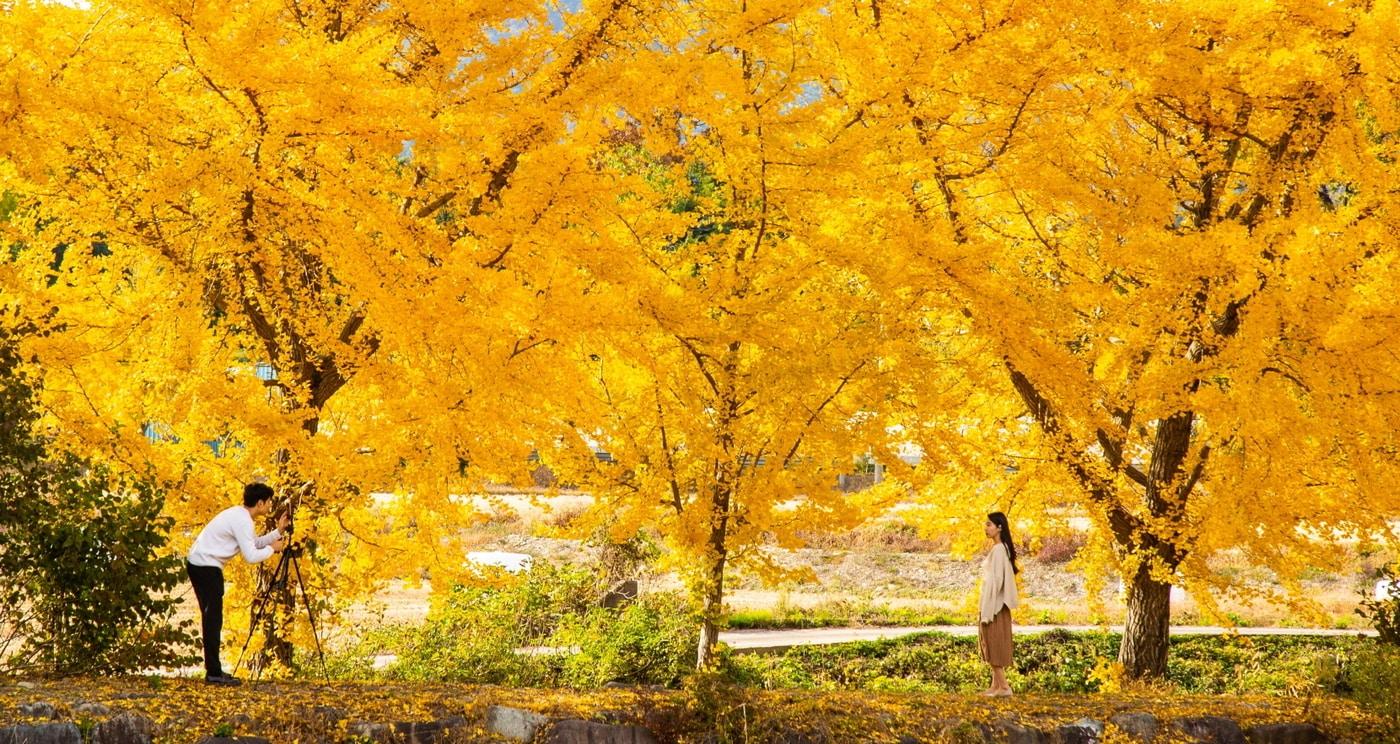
[[994, 639]]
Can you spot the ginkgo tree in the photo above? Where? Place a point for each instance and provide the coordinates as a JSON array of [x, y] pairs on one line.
[[729, 363], [1169, 229], [272, 220]]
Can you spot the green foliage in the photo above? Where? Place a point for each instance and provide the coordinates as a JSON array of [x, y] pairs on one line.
[[83, 584], [224, 729], [1374, 678], [546, 628], [646, 642], [473, 635], [1057, 661], [1384, 614], [839, 614], [86, 561]]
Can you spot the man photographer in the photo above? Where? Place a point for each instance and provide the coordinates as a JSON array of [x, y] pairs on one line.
[[226, 535]]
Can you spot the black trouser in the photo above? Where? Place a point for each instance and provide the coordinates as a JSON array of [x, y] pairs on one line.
[[209, 589]]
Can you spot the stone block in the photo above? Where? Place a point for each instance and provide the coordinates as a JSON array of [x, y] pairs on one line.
[[91, 710], [965, 732], [1012, 732], [427, 732], [1083, 731], [376, 732], [1143, 727], [124, 728], [1286, 733], [575, 731], [514, 723], [38, 709], [1210, 730], [622, 594], [41, 733]]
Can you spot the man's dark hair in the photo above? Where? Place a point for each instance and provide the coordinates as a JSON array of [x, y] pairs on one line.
[[253, 493]]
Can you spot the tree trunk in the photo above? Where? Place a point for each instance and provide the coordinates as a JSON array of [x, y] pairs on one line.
[[1143, 651], [278, 648], [713, 606], [712, 600]]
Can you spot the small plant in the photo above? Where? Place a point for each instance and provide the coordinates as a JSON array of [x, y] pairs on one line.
[[223, 730], [1107, 675], [1383, 612]]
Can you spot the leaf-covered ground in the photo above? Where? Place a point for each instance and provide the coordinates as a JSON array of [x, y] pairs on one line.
[[301, 711]]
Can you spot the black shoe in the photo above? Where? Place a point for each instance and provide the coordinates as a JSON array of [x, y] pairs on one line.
[[224, 680]]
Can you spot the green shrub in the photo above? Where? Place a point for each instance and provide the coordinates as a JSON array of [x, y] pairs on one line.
[[1384, 614], [475, 634], [545, 628], [1374, 677], [651, 641], [87, 562], [1056, 661]]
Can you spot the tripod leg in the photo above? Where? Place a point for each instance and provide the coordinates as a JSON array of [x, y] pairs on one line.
[[311, 618], [262, 608]]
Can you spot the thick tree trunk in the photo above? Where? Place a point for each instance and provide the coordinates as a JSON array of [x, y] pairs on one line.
[[1143, 651]]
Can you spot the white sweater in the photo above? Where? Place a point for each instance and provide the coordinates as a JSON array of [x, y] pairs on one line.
[[228, 534], [998, 583]]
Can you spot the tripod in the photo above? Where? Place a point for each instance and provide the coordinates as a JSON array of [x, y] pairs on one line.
[[264, 606]]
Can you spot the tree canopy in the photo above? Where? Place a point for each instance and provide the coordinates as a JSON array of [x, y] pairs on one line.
[[1133, 260]]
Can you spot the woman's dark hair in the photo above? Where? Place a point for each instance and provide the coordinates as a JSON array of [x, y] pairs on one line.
[[253, 493], [999, 519]]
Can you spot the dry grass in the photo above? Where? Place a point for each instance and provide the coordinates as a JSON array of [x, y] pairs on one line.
[[1060, 548], [883, 537]]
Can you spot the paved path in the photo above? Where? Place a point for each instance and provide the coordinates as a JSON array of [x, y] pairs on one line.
[[777, 640]]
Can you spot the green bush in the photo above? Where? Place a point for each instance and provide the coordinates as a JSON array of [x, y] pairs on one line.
[[1384, 614], [545, 628], [475, 633], [1374, 677], [86, 561], [1056, 661], [651, 641]]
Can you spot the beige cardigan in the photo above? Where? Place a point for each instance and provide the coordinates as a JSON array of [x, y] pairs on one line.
[[998, 583]]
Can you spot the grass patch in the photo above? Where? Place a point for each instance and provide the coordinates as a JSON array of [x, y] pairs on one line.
[[840, 614], [1056, 662]]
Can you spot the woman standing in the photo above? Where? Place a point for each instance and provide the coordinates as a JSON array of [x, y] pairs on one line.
[[998, 598]]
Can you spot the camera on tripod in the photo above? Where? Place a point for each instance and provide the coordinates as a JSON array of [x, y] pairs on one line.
[[264, 600]]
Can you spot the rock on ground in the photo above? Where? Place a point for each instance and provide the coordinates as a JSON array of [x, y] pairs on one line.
[[514, 723], [1210, 730], [124, 728], [1286, 733], [575, 731], [41, 733]]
